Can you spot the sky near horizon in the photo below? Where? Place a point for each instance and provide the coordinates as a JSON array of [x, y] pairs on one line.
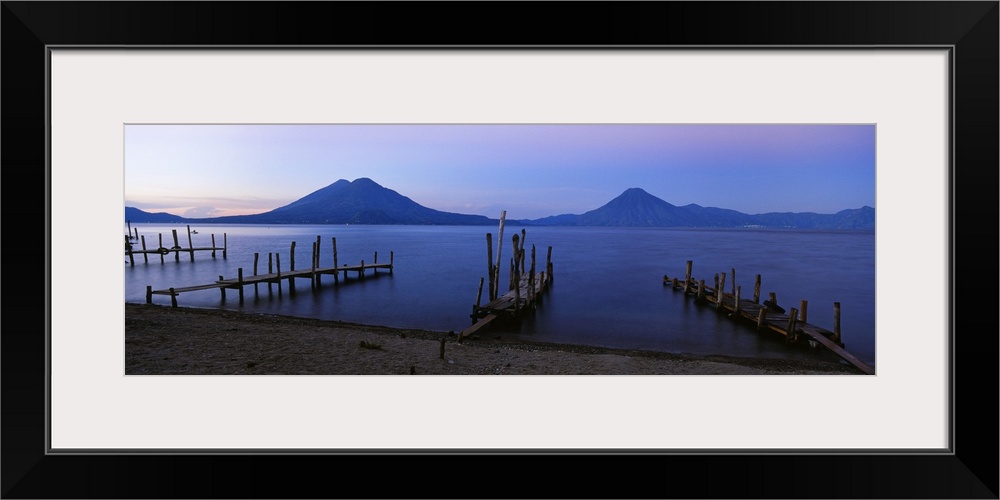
[[530, 170]]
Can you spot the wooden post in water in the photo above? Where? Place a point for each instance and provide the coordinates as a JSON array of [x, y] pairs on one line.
[[521, 251], [190, 243], [277, 265], [315, 257], [361, 272], [720, 291], [291, 266], [270, 270], [756, 290], [510, 277], [145, 256], [255, 257], [225, 246], [149, 294], [177, 245], [239, 280], [136, 232], [318, 278], [773, 298], [161, 246], [732, 277], [676, 283], [687, 277], [701, 290], [548, 265], [375, 261], [836, 321], [479, 294], [213, 245], [128, 250], [803, 305], [489, 265], [129, 223], [761, 315], [531, 278], [715, 283], [391, 263], [173, 297], [222, 288], [496, 268], [336, 272], [516, 277], [736, 300], [792, 316]]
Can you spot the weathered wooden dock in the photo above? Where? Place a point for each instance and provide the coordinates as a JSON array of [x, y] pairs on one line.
[[131, 251], [275, 276], [525, 288], [766, 315]]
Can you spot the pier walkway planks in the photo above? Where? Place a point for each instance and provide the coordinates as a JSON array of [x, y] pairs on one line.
[[766, 317], [238, 283], [525, 290], [131, 251]]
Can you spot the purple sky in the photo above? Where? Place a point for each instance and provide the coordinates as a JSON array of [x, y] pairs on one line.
[[531, 171]]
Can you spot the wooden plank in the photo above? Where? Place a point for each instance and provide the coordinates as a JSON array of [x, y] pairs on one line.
[[188, 289], [479, 325], [829, 344]]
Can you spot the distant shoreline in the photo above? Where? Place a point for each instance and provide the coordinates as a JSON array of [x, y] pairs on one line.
[[194, 341]]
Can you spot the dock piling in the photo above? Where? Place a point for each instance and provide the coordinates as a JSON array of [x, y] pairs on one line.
[[336, 271], [270, 270], [489, 265], [145, 256], [256, 255], [190, 244], [791, 335], [177, 246], [496, 268], [756, 290]]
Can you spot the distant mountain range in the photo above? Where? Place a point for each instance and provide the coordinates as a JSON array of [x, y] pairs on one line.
[[364, 201]]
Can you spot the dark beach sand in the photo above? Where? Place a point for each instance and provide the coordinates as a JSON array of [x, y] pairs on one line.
[[163, 340]]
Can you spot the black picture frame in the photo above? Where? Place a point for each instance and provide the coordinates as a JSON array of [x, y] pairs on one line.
[[969, 28]]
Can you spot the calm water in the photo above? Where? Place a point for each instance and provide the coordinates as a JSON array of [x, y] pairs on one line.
[[607, 289]]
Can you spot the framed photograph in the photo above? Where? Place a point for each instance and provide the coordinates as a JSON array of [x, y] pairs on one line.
[[913, 82]]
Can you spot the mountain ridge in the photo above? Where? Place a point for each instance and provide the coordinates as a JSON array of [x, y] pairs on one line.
[[364, 201]]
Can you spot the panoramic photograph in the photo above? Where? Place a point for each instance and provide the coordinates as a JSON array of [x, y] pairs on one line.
[[499, 249]]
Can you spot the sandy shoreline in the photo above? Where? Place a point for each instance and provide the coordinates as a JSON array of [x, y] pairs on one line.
[[163, 340]]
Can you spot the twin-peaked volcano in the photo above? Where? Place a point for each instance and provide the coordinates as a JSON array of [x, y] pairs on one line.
[[363, 201]]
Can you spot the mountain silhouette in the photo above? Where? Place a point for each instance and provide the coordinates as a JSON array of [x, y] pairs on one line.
[[637, 208], [364, 201]]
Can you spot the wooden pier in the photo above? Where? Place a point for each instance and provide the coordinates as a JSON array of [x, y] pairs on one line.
[[525, 288], [766, 315], [275, 276], [131, 251]]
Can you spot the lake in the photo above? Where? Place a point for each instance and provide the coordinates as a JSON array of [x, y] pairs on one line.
[[607, 289]]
